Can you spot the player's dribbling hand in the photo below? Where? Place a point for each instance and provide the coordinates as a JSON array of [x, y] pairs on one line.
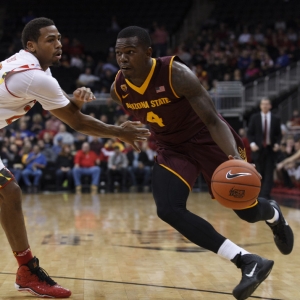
[[84, 94], [132, 133], [238, 157]]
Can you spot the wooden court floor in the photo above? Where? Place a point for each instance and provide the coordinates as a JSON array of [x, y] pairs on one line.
[[114, 247]]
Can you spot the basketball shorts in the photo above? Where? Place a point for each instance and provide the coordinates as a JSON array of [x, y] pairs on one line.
[[198, 155]]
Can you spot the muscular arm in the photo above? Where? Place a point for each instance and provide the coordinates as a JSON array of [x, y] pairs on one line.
[[186, 84]]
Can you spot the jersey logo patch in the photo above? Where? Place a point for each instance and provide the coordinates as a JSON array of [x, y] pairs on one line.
[[124, 88], [160, 89], [124, 96]]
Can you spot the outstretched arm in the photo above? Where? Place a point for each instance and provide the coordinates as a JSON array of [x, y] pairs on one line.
[[71, 115], [186, 84]]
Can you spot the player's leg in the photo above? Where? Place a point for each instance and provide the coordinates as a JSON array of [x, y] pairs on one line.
[[30, 277], [170, 194]]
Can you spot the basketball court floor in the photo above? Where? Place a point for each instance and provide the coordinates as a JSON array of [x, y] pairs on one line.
[[114, 247]]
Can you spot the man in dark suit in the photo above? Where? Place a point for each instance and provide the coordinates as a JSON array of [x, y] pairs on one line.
[[264, 134]]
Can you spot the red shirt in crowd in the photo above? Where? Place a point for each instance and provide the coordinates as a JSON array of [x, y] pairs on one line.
[[86, 159]]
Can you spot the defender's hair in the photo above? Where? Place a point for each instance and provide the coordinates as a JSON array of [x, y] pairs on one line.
[[132, 31], [31, 31]]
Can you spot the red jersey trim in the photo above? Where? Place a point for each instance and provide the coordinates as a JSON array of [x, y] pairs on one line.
[[11, 73], [170, 77], [176, 175]]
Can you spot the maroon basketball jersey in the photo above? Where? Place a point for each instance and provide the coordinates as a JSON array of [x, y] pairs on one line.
[[170, 117]]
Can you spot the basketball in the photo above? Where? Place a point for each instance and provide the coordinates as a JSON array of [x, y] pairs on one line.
[[236, 184]]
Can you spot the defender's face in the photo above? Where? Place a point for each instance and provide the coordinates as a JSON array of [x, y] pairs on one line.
[[48, 47], [132, 58]]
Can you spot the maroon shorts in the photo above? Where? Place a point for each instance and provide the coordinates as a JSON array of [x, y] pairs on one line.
[[198, 155]]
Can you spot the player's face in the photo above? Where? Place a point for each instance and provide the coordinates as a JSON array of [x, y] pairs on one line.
[[265, 106], [48, 47], [132, 58]]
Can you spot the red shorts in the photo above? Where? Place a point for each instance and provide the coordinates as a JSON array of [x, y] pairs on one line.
[[198, 155]]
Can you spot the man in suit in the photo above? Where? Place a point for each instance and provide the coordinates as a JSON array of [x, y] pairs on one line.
[[264, 134]]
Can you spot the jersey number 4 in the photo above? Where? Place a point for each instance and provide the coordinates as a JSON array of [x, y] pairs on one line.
[[154, 118]]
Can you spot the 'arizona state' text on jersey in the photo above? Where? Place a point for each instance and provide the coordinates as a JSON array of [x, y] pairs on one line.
[[185, 146], [169, 116]]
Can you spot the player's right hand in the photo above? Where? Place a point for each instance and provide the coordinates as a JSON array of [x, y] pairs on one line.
[[131, 133]]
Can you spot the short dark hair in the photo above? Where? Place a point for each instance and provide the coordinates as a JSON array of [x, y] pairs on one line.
[[31, 31], [142, 35]]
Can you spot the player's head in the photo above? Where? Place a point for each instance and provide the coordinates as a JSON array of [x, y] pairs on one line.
[[41, 38], [133, 51]]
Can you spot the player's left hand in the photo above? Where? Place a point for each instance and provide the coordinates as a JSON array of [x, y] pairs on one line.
[[84, 94]]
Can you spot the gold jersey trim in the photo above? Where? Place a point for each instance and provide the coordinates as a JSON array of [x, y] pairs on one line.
[[141, 90], [176, 175], [115, 88], [170, 77]]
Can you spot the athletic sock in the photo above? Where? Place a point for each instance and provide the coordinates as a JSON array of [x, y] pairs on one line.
[[23, 257], [229, 250], [276, 216]]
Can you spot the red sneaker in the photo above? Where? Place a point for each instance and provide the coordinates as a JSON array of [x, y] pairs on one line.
[[33, 279]]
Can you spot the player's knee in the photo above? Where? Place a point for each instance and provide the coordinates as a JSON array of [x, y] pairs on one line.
[[249, 215], [166, 214]]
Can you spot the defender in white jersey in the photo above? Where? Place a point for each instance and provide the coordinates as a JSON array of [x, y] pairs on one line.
[[25, 78]]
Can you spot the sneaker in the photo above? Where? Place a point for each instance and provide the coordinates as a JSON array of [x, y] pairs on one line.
[[255, 270], [283, 234], [33, 279]]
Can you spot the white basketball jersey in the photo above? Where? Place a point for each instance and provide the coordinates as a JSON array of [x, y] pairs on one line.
[[27, 84]]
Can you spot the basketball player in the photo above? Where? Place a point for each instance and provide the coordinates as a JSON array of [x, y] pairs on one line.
[[191, 138], [24, 79]]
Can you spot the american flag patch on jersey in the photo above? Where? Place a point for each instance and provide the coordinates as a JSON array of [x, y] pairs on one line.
[[160, 89]]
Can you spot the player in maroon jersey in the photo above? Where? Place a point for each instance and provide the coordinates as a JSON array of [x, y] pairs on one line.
[[191, 138]]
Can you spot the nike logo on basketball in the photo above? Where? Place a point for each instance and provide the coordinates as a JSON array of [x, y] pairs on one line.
[[125, 96], [231, 176], [252, 272]]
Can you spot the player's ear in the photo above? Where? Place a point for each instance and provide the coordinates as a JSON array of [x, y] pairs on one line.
[[30, 46], [149, 52]]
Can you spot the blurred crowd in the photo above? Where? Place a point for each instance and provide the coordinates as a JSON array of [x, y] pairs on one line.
[[45, 154], [287, 169]]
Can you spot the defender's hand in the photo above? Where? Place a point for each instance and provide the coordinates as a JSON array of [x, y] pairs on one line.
[[131, 133], [84, 94]]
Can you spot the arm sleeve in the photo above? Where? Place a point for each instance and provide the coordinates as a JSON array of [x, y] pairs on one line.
[[38, 85]]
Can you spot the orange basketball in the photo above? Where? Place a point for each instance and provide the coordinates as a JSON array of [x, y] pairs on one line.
[[236, 184]]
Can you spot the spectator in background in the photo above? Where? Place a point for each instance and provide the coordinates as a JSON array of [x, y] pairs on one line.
[[96, 144], [64, 164], [139, 170], [48, 152], [34, 165], [106, 152], [87, 79], [48, 129], [53, 124], [283, 59], [37, 124], [264, 134], [160, 38], [86, 162], [292, 163], [24, 131], [117, 166], [67, 137]]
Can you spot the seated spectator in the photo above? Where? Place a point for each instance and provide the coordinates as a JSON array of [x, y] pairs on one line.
[[117, 166], [283, 59], [48, 153], [48, 129], [53, 123], [292, 163], [106, 152], [282, 173], [86, 163], [87, 79], [34, 165], [64, 165], [294, 122], [67, 137], [14, 162], [37, 124], [96, 144], [139, 170]]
